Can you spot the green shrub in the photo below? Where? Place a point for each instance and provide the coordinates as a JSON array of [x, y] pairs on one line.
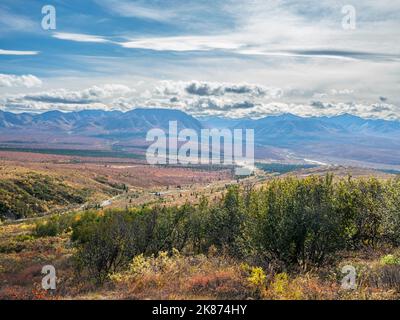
[[53, 226], [105, 246], [297, 223], [362, 202], [390, 259], [391, 219]]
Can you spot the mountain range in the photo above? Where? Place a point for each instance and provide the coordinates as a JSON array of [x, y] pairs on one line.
[[341, 138], [91, 122]]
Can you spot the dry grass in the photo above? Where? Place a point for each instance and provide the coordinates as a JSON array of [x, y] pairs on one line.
[[213, 276]]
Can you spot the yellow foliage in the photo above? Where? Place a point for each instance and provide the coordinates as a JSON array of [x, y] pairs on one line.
[[280, 283], [257, 277], [282, 288], [139, 265]]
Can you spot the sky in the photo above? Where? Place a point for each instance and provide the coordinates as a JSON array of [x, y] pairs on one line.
[[225, 58]]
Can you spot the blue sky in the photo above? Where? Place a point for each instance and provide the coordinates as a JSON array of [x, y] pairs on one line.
[[226, 58]]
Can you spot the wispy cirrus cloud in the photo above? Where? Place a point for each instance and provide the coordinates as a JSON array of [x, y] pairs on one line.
[[182, 43], [79, 37], [188, 15], [263, 28], [10, 21], [138, 9], [18, 52]]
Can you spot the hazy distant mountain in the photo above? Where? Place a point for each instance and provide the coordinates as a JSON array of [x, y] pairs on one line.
[[283, 127], [219, 122], [92, 122], [337, 139], [289, 129]]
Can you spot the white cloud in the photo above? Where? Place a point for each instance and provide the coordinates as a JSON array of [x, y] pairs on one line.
[[27, 81], [217, 89], [336, 92], [106, 97], [85, 96], [17, 52], [208, 88], [311, 30], [182, 43], [137, 10], [261, 52], [15, 22], [189, 15], [79, 37], [170, 94], [226, 99], [267, 28]]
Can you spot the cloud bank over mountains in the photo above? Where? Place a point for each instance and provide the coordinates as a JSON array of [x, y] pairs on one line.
[[200, 99]]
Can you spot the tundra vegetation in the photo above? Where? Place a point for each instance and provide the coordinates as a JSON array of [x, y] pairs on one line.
[[28, 195], [287, 239]]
